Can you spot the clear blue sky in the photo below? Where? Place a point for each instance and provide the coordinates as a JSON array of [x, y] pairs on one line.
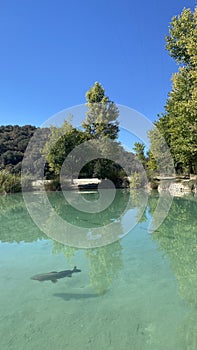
[[52, 52]]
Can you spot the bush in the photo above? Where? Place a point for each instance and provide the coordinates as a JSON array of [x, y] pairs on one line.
[[138, 180], [9, 183]]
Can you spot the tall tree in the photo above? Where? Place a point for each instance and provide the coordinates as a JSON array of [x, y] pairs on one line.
[[101, 117], [178, 124], [181, 41], [101, 125], [139, 152]]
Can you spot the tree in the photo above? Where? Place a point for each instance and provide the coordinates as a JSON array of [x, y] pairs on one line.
[[181, 108], [181, 43], [101, 117], [139, 152], [178, 124], [62, 147], [101, 125]]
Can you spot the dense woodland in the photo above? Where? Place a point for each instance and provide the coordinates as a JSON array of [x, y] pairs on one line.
[[13, 142], [177, 125]]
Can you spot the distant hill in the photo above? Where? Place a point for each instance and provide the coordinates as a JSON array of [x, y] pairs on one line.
[[13, 142]]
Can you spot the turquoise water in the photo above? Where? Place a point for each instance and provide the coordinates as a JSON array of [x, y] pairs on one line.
[[137, 293]]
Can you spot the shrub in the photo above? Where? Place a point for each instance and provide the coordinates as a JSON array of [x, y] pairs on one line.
[[9, 183], [138, 180]]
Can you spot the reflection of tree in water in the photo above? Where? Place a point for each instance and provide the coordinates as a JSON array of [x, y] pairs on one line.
[[17, 226], [177, 236], [84, 219], [188, 332], [138, 199], [105, 263], [16, 223], [67, 251]]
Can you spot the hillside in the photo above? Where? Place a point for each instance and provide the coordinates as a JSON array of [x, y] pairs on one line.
[[13, 142]]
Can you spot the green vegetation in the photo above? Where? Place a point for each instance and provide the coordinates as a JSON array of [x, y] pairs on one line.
[[178, 124], [139, 149], [9, 182], [101, 124], [63, 146], [13, 143], [100, 131], [101, 117], [138, 180], [53, 145]]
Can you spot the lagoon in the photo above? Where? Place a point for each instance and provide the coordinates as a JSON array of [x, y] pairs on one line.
[[138, 292]]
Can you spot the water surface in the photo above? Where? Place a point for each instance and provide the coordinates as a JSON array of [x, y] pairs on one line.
[[137, 293]]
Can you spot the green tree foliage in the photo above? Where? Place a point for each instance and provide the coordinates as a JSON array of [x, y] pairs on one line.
[[138, 180], [13, 142], [160, 159], [101, 124], [152, 165], [61, 150], [49, 147], [182, 110], [178, 124], [9, 182], [61, 142], [101, 117], [180, 41], [139, 152]]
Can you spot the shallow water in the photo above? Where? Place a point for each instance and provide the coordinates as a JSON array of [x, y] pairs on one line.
[[137, 293]]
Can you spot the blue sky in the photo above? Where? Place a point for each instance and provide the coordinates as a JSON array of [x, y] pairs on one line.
[[52, 52]]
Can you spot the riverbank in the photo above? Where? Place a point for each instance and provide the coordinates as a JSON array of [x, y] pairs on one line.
[[178, 186], [175, 185]]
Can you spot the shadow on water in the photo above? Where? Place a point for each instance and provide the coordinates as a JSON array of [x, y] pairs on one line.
[[77, 296]]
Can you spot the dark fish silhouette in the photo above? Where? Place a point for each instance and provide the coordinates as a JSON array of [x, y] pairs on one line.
[[54, 275]]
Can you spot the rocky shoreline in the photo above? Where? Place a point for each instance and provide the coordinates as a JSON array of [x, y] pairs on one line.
[[177, 186]]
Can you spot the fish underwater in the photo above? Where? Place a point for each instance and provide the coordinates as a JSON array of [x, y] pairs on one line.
[[54, 275]]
